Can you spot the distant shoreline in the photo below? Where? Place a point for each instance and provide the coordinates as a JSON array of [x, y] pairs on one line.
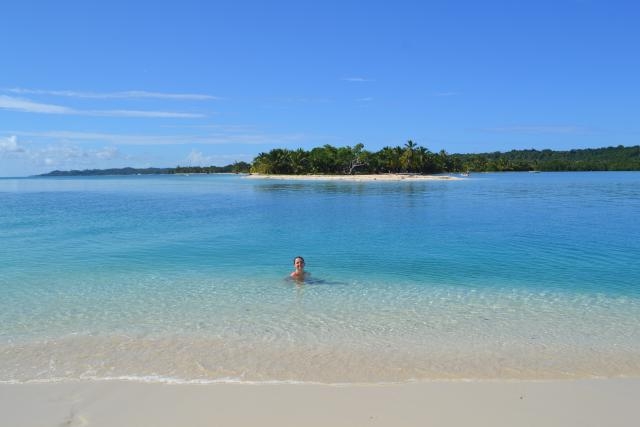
[[180, 170], [356, 159]]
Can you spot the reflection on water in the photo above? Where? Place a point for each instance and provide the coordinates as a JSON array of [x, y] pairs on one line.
[[354, 188]]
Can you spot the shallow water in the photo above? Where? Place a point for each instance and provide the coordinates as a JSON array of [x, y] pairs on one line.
[[182, 278]]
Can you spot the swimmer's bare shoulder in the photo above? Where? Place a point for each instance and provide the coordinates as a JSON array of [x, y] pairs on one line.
[[300, 276]]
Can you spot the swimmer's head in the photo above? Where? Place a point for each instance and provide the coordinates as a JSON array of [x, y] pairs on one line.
[[298, 262]]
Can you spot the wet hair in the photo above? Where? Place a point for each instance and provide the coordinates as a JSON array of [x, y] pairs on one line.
[[294, 260]]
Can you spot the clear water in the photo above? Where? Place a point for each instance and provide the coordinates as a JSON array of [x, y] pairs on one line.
[[182, 278]]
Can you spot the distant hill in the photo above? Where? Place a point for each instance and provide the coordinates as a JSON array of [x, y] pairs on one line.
[[237, 167], [618, 158], [121, 171]]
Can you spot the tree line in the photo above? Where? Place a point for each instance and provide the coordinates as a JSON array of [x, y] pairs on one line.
[[237, 167], [409, 158], [413, 158], [618, 158]]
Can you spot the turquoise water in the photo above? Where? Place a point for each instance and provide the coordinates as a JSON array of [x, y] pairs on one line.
[[182, 278]]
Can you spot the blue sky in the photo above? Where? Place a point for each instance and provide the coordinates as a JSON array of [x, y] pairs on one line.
[[88, 84]]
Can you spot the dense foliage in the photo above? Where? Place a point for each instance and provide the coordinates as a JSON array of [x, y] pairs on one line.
[[618, 158], [412, 158], [238, 167], [119, 171], [349, 160]]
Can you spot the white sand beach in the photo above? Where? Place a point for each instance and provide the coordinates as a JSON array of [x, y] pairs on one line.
[[369, 177], [583, 403]]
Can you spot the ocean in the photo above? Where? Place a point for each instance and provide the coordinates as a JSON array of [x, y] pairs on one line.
[[185, 278]]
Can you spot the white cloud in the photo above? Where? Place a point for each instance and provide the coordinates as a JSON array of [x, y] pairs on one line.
[[55, 154], [226, 137], [66, 155], [10, 145], [197, 158], [24, 105], [108, 153], [58, 154], [357, 79], [539, 129], [112, 95], [113, 138], [367, 99], [27, 106], [139, 113], [304, 100]]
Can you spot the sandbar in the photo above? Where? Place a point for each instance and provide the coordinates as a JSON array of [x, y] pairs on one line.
[[368, 177], [584, 403]]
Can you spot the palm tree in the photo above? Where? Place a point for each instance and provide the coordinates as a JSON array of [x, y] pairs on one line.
[[408, 158], [443, 162], [299, 161], [281, 158], [422, 159], [262, 164], [390, 158]]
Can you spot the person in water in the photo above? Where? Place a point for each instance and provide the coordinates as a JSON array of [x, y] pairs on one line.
[[299, 274]]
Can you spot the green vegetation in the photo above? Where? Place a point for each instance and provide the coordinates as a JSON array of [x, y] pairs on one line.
[[349, 160], [238, 167], [122, 171], [599, 159], [412, 158]]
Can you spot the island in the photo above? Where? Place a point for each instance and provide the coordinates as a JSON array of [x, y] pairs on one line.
[[409, 160]]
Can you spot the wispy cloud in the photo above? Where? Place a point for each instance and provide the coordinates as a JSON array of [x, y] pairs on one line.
[[366, 99], [218, 127], [141, 113], [357, 79], [25, 105], [204, 139], [539, 129], [304, 100], [108, 153], [114, 95], [197, 158], [108, 138], [56, 154], [28, 106], [73, 156]]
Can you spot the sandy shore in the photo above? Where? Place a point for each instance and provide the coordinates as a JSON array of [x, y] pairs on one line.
[[380, 177], [440, 403]]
